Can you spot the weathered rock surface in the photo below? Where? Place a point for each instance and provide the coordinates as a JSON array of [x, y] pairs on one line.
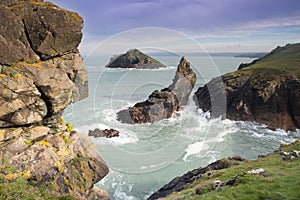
[[41, 73], [266, 91], [108, 133], [178, 183], [134, 59], [162, 104], [36, 84], [33, 30], [67, 160]]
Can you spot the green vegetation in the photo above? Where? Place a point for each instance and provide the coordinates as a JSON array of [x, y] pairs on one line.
[[5, 160], [9, 169], [65, 139], [28, 142], [8, 70], [281, 63], [69, 127], [281, 180], [21, 189]]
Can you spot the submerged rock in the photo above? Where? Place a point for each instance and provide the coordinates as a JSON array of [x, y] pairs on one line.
[[162, 104], [134, 59], [108, 133], [266, 91]]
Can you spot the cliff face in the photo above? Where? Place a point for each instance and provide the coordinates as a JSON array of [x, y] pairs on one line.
[[162, 104], [266, 91], [41, 73], [134, 59]]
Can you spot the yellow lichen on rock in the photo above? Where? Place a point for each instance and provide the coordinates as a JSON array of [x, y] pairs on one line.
[[27, 174], [43, 142]]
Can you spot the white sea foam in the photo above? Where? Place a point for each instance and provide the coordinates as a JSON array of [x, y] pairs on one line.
[[121, 186], [85, 129], [122, 190], [136, 69], [153, 166], [195, 148]]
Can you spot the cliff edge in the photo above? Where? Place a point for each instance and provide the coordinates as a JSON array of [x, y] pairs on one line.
[[41, 73], [266, 91]]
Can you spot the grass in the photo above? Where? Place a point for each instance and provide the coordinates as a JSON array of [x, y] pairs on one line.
[[284, 61], [21, 189], [281, 180]]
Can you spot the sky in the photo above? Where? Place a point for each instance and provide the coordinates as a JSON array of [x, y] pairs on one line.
[[217, 25]]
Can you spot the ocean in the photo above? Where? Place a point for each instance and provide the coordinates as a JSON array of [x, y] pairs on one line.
[[145, 157]]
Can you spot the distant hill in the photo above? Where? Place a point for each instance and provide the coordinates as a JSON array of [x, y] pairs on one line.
[[134, 59], [251, 55]]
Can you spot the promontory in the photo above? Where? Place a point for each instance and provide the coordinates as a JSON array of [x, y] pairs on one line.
[[266, 91]]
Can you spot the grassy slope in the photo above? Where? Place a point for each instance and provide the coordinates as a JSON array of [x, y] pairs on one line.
[[281, 180], [20, 189], [283, 62]]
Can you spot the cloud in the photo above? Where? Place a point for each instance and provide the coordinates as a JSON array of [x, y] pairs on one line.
[[214, 19], [110, 17]]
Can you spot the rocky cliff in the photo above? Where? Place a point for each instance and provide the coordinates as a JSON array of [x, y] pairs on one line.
[[266, 91], [134, 59], [162, 104], [41, 73]]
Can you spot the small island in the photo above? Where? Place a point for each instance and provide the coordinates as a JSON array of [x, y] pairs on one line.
[[134, 59]]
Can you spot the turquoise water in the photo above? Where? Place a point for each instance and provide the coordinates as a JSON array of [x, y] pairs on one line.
[[145, 157]]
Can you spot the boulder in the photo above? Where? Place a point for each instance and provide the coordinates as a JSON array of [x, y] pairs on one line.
[[162, 104], [108, 133]]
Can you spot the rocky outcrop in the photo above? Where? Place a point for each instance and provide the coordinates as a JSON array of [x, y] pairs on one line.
[[134, 59], [266, 91], [162, 104], [178, 183], [41, 73], [108, 133]]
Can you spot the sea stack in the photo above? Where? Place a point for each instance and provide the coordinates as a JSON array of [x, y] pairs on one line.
[[134, 59], [266, 91], [162, 104]]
